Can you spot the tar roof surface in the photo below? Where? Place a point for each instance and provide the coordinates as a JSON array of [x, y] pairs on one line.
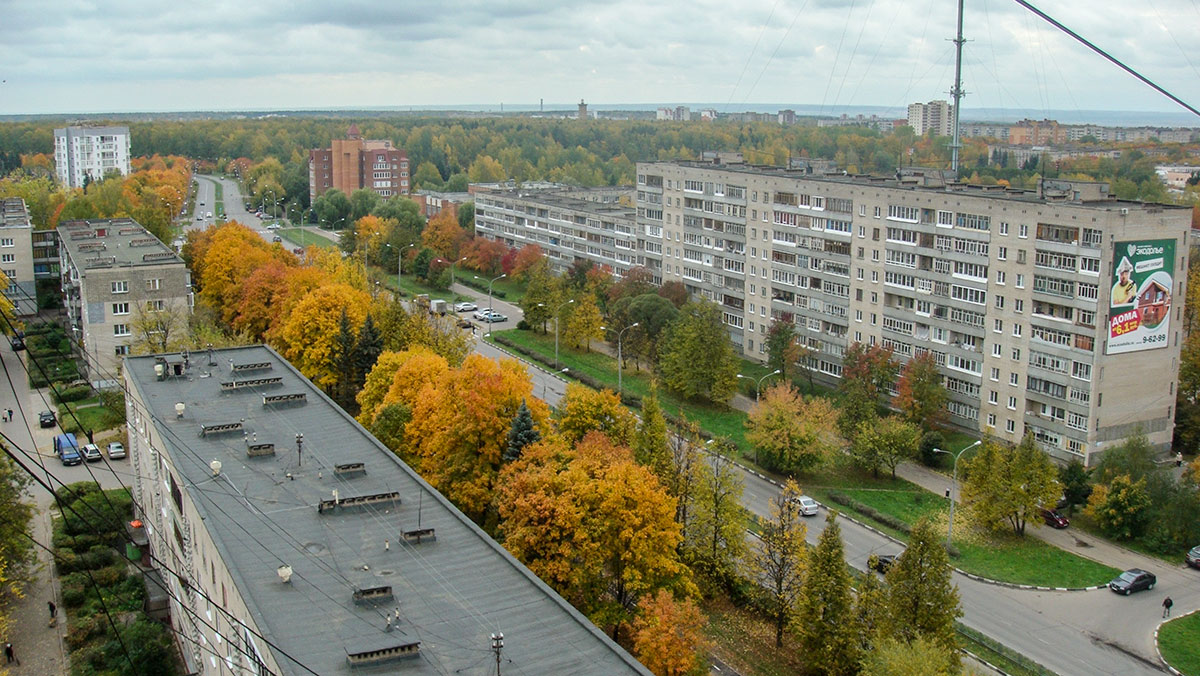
[[452, 593], [124, 242]]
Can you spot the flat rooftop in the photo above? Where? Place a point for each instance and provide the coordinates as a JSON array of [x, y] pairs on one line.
[[112, 242], [453, 588], [13, 213], [561, 200]]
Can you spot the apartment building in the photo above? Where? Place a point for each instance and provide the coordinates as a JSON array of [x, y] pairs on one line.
[[292, 542], [569, 225], [936, 117], [1056, 312], [114, 273], [16, 256], [433, 203], [354, 163], [83, 154]]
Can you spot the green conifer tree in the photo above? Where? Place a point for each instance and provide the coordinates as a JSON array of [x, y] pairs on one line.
[[828, 638], [521, 434]]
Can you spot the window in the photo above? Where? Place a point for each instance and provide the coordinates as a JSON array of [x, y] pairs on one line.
[[1017, 330], [1001, 277], [8, 258], [1010, 426], [121, 350], [1003, 228], [120, 287], [997, 350], [993, 397], [1016, 354], [1089, 266], [1023, 231], [995, 374], [1081, 370], [7, 242], [121, 330], [991, 420], [999, 302], [1018, 305], [156, 305], [1020, 281], [1002, 253], [120, 308], [1012, 403], [998, 325], [1013, 379]]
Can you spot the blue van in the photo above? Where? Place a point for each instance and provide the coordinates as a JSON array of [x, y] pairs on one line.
[[67, 449]]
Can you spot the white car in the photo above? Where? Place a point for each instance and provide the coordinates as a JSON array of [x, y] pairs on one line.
[[807, 506], [465, 306], [273, 226], [116, 450], [490, 316]]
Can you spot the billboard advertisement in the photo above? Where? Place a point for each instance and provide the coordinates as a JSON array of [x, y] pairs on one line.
[[1139, 311]]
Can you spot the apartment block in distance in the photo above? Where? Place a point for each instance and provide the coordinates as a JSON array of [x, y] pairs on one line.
[[935, 116], [292, 542], [1055, 312], [569, 225], [16, 256], [84, 154], [353, 163], [113, 273]]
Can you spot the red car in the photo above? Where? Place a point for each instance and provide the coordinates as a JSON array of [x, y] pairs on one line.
[[1054, 519]]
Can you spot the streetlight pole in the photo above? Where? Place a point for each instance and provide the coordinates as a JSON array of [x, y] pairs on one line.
[[954, 484], [452, 271], [758, 384], [557, 314], [620, 335], [490, 282]]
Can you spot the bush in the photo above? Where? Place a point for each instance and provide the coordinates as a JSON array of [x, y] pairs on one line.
[[67, 394], [109, 576], [523, 326], [73, 597]]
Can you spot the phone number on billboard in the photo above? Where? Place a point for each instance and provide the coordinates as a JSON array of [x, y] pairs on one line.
[[1160, 338]]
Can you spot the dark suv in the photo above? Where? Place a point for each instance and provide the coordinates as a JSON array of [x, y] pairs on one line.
[[47, 419]]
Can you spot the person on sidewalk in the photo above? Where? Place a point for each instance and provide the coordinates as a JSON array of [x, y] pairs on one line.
[[9, 657], [53, 613], [1167, 603], [1179, 458]]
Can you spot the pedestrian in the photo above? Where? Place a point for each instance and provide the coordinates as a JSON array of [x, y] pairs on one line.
[[9, 657], [53, 609], [1179, 458], [1167, 603], [10, 413]]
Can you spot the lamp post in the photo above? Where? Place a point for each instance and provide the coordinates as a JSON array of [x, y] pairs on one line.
[[620, 335], [954, 484], [399, 259], [452, 271], [490, 282], [758, 384], [557, 314]]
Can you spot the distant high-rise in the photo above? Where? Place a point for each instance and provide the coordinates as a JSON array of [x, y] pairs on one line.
[[84, 154], [582, 110], [935, 116], [354, 162]]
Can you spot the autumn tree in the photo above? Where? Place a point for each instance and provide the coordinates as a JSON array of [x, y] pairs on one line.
[[650, 444], [920, 393], [1121, 507], [922, 600], [867, 374], [1076, 483], [376, 384], [527, 257], [920, 657], [652, 314], [233, 253], [402, 330], [584, 323], [522, 433], [717, 533], [682, 473], [675, 292], [309, 334], [779, 559], [543, 297], [825, 613], [158, 329], [695, 356], [443, 234], [781, 350], [886, 442], [790, 432], [870, 613], [1007, 486], [584, 409], [668, 635]]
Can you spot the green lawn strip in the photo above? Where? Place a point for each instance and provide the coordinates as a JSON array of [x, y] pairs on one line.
[[305, 238], [411, 287], [746, 641], [713, 419], [1179, 642], [1008, 660], [1088, 525]]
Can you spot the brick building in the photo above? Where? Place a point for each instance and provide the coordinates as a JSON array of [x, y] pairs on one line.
[[354, 162]]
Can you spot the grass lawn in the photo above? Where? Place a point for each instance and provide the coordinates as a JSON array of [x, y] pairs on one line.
[[745, 640], [1179, 641], [411, 287], [92, 415], [1088, 525], [305, 238], [715, 419]]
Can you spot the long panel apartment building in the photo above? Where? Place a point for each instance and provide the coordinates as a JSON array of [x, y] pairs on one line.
[[16, 256], [1055, 312]]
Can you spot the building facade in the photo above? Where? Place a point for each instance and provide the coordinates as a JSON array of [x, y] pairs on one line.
[[354, 163], [568, 225], [120, 285], [83, 154], [291, 541], [1019, 296], [433, 203], [16, 256], [936, 117]]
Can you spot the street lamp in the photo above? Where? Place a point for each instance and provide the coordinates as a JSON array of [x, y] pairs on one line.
[[452, 271], [399, 259], [758, 384], [557, 314], [620, 335], [490, 282], [954, 485]]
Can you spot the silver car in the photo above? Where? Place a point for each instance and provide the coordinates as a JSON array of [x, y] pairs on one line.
[[116, 450], [806, 505]]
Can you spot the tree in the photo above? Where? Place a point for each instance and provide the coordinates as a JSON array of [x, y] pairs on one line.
[[681, 475], [584, 323], [1121, 507], [824, 615], [778, 561], [527, 257], [920, 393], [867, 374], [1076, 483], [780, 339], [921, 657], [466, 216], [922, 600], [889, 441], [443, 234], [870, 612], [717, 533], [543, 297], [157, 330], [427, 176], [675, 292], [362, 202], [652, 314], [366, 351], [790, 432], [309, 334], [333, 208], [521, 434], [16, 550], [341, 361], [695, 356], [668, 635], [1008, 486], [584, 409], [650, 444]]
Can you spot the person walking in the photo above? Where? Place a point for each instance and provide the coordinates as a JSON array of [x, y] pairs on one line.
[[1179, 458], [10, 414], [9, 657], [1167, 603], [53, 612]]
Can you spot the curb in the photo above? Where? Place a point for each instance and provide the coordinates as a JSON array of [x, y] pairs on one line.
[[1158, 651], [984, 662]]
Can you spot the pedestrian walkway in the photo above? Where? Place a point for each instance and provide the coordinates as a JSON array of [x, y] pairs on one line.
[[37, 644]]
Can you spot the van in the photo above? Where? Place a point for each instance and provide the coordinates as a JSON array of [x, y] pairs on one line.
[[67, 449]]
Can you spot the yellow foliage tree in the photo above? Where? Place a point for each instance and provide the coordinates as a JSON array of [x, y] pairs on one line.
[[583, 410], [232, 254], [668, 635], [377, 384], [422, 368], [307, 338], [444, 235]]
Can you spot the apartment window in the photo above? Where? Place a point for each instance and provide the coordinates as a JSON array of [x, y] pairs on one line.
[[998, 325], [1023, 231], [999, 302], [156, 305], [1081, 370], [7, 242], [1016, 354], [1003, 228], [1016, 330], [1018, 305], [121, 330], [1020, 282], [120, 287], [1012, 403], [8, 258], [121, 350], [1089, 266], [1001, 277], [1002, 253], [874, 275], [995, 374], [997, 350], [993, 397], [991, 420], [1013, 379], [1010, 426], [1021, 256], [120, 308], [877, 213], [858, 315]]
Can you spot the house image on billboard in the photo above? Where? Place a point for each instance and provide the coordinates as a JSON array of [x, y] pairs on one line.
[[1153, 303]]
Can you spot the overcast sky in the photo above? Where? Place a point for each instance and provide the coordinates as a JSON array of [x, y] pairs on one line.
[[60, 56]]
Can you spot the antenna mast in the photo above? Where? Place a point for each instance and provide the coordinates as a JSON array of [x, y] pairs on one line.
[[957, 91]]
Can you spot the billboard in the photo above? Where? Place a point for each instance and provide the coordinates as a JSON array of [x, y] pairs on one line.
[[1139, 310]]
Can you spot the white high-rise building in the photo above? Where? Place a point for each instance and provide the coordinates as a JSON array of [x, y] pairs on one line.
[[88, 153], [936, 116]]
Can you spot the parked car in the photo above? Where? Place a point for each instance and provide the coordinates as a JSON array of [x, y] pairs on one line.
[[47, 419], [208, 215], [67, 449], [1054, 519], [18, 343], [808, 506], [276, 238], [274, 226], [116, 450], [1133, 580], [91, 453], [1192, 558], [882, 562], [490, 316], [465, 306]]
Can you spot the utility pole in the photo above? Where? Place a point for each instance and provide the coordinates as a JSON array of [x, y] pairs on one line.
[[957, 91], [299, 449], [497, 646]]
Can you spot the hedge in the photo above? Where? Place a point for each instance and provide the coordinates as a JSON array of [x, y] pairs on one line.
[[77, 393]]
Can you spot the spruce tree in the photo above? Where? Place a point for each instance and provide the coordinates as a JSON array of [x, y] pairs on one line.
[[650, 444], [366, 351], [343, 362], [521, 434], [828, 639], [922, 601]]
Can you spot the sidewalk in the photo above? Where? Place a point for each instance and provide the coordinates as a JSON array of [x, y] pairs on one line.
[[39, 647]]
